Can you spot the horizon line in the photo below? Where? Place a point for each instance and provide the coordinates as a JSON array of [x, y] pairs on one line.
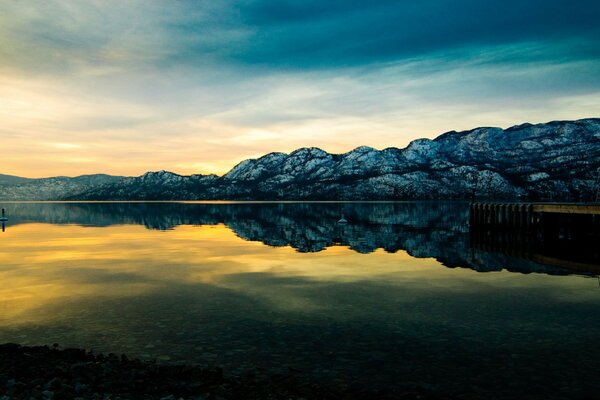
[[306, 147]]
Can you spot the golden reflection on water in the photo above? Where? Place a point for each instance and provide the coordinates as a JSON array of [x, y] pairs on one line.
[[200, 294], [44, 265]]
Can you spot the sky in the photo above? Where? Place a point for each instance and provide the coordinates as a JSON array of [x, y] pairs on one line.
[[125, 87]]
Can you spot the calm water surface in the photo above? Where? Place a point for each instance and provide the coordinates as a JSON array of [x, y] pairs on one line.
[[399, 296]]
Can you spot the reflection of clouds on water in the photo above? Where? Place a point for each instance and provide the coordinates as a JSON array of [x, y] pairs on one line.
[[200, 293], [43, 263], [423, 229]]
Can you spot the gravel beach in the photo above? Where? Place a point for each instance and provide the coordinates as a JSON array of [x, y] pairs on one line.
[[44, 372]]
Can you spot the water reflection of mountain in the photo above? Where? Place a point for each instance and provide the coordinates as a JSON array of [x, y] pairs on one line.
[[424, 229]]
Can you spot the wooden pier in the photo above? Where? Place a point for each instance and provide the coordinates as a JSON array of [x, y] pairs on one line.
[[525, 216], [558, 234]]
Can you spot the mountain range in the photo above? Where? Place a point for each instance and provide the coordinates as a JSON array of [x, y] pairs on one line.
[[558, 160]]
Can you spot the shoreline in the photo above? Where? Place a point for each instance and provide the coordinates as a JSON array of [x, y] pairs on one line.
[[44, 372]]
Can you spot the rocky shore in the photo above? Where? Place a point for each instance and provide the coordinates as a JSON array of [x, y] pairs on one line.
[[44, 372]]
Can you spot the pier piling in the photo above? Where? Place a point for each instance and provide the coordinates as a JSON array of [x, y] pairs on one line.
[[528, 216], [557, 234]]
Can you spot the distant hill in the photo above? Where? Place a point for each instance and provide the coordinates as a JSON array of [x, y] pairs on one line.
[[12, 180], [55, 188], [553, 161]]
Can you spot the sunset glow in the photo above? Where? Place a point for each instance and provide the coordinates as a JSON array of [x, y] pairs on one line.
[[196, 87]]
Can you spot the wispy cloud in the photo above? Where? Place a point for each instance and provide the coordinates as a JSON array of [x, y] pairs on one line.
[[196, 86]]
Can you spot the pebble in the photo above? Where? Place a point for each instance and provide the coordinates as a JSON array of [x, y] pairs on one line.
[[48, 394]]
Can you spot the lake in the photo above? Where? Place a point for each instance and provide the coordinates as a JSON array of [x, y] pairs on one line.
[[401, 295]]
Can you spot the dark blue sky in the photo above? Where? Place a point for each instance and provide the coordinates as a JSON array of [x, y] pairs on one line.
[[308, 34], [195, 86]]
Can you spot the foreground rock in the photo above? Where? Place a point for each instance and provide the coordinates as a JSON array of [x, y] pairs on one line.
[[49, 373]]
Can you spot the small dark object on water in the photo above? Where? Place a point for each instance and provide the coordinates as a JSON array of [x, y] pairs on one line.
[[342, 220]]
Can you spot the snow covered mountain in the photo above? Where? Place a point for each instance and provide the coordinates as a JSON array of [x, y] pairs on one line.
[[58, 187], [553, 161]]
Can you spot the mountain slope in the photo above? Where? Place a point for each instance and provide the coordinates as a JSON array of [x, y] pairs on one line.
[[12, 180], [558, 160], [17, 188], [160, 185]]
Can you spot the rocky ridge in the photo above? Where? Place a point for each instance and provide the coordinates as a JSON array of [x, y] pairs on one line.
[[558, 160], [55, 188]]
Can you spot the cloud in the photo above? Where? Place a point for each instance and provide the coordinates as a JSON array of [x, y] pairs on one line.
[[103, 37], [324, 34], [189, 86], [65, 146]]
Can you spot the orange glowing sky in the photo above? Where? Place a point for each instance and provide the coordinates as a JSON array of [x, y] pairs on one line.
[[74, 262], [195, 87]]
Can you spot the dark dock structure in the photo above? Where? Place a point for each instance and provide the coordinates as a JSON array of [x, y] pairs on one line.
[[559, 234], [528, 215], [525, 216]]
